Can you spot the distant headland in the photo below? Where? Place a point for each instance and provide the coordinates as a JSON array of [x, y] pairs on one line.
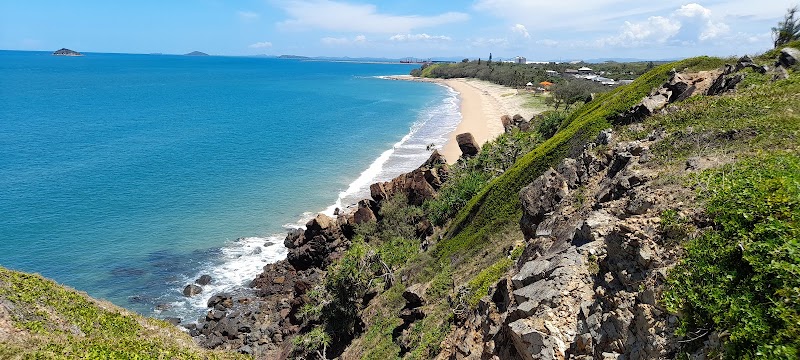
[[196, 53], [66, 52]]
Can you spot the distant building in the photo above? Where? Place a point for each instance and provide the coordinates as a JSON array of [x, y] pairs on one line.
[[585, 70], [520, 60], [624, 82], [570, 72], [551, 72]]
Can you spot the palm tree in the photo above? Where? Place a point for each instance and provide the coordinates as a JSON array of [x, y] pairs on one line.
[[787, 30]]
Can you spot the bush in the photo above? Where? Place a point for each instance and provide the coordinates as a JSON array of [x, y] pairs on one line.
[[453, 196], [743, 277], [549, 123]]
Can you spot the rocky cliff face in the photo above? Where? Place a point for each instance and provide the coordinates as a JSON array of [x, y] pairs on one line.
[[597, 248], [587, 283], [263, 324]]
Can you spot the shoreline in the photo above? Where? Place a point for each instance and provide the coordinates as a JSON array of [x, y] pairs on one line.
[[481, 105]]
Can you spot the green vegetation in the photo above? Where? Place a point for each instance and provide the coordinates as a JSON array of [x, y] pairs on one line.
[[60, 323], [497, 207], [479, 285], [787, 30], [517, 75], [742, 278]]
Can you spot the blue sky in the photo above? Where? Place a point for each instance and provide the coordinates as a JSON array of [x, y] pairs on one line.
[[539, 30]]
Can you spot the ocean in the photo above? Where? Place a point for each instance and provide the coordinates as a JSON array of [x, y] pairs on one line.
[[129, 176]]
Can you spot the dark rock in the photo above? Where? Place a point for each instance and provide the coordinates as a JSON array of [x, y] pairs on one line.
[[203, 280], [724, 84], [411, 315], [191, 290], [363, 215], [173, 320], [246, 349], [789, 57], [223, 299], [214, 315], [66, 52], [311, 254], [467, 144], [540, 198], [414, 295]]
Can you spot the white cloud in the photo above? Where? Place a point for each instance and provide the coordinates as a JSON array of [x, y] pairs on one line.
[[261, 45], [547, 42], [419, 37], [339, 41], [657, 29], [686, 25], [599, 15], [522, 30], [693, 10], [248, 16], [347, 17], [490, 42]]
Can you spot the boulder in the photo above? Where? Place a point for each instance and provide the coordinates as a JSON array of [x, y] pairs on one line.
[[224, 300], [724, 83], [363, 215], [533, 340], [467, 144], [789, 57], [191, 290], [203, 280], [415, 296], [540, 198]]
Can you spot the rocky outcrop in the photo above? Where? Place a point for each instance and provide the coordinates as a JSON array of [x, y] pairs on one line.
[[680, 86], [192, 290], [789, 57], [418, 185], [469, 147], [261, 321], [66, 52], [587, 282], [516, 122]]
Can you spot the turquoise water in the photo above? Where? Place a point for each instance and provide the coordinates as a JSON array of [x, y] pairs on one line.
[[127, 176]]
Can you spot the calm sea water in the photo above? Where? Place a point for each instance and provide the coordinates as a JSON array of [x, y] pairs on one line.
[[127, 176]]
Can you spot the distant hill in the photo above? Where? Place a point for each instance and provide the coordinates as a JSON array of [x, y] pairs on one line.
[[66, 52], [293, 57], [196, 53]]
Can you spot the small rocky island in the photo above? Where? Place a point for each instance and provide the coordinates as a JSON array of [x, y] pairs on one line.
[[196, 53], [66, 52]]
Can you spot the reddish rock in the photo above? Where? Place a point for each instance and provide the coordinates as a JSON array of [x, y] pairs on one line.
[[467, 144]]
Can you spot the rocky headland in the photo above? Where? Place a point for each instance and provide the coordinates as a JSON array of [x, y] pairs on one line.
[[587, 281]]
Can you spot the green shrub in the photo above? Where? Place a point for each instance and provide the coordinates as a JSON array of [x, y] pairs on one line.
[[453, 196], [742, 278], [479, 285], [550, 122]]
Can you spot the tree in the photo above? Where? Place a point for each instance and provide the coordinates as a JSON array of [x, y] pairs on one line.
[[787, 30], [465, 61], [490, 58], [571, 92]]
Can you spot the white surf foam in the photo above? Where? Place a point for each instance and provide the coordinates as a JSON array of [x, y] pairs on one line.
[[243, 259]]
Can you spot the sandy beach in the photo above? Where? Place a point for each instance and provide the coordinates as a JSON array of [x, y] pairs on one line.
[[482, 105]]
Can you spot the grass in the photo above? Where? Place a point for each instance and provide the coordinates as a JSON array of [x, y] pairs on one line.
[[60, 323], [497, 205], [742, 278]]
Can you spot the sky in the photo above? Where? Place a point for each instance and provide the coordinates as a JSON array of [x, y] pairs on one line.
[[551, 30]]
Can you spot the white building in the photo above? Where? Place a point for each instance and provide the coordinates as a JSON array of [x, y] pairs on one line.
[[520, 60]]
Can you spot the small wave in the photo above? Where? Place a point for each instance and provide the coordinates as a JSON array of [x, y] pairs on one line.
[[243, 259]]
